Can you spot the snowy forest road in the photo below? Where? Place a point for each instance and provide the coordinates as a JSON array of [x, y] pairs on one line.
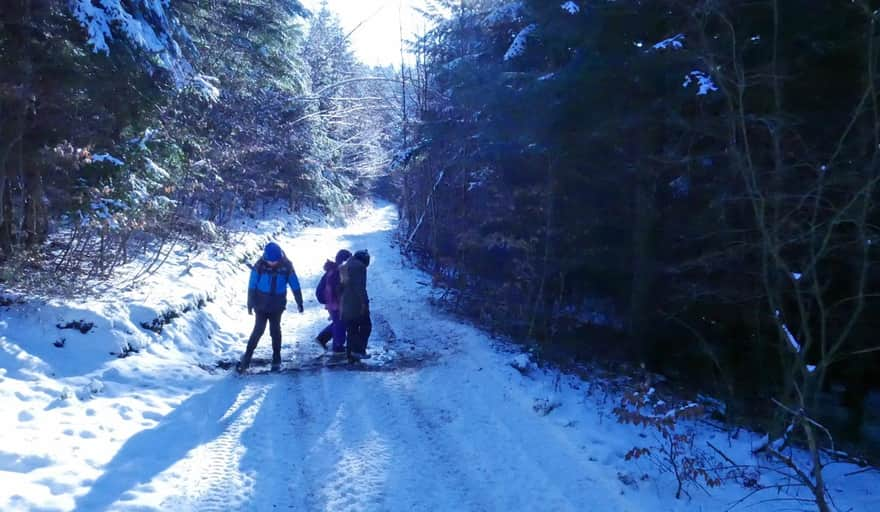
[[455, 432], [442, 417]]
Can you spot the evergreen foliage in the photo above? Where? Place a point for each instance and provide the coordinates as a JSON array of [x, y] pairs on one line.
[[695, 177], [125, 126]]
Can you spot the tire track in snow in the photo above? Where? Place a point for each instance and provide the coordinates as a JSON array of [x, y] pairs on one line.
[[212, 476], [346, 455], [452, 480], [357, 479], [467, 460], [270, 444]]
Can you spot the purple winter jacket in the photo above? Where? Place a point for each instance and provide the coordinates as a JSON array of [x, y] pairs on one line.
[[331, 287]]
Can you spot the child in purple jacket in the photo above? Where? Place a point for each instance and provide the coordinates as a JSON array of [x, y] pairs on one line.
[[328, 293]]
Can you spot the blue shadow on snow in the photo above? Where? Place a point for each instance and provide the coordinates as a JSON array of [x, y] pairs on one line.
[[197, 421]]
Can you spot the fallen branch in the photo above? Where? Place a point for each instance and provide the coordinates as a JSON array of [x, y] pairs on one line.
[[803, 416], [412, 235], [864, 470], [722, 454]]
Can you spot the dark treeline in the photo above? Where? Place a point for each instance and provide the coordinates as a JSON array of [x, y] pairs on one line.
[[126, 125], [688, 184]]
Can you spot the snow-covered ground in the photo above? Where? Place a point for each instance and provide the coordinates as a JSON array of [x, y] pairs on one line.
[[442, 418]]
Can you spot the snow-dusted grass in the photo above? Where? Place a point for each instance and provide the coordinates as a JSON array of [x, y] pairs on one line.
[[477, 426]]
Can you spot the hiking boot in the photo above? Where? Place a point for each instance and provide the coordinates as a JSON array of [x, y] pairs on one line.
[[323, 343], [276, 367], [335, 357], [359, 355]]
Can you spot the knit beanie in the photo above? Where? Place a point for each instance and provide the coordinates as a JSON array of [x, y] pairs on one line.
[[272, 253]]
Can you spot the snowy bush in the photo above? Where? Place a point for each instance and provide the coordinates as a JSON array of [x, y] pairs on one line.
[[545, 406], [65, 394], [674, 451], [86, 392], [206, 87], [209, 230], [522, 363]]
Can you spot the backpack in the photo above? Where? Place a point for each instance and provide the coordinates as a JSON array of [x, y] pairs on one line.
[[319, 290]]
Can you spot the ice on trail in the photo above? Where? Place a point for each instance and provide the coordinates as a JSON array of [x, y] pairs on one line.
[[460, 428]]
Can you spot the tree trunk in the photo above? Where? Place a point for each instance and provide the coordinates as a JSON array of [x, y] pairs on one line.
[[402, 77], [6, 217], [540, 306], [643, 274], [35, 212]]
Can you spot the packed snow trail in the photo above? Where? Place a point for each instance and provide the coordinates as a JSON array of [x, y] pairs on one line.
[[439, 419], [450, 434]]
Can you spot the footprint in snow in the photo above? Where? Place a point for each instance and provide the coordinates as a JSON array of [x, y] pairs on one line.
[[150, 415], [21, 464], [123, 411]]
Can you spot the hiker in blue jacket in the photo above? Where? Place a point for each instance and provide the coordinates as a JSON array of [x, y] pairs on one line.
[[267, 296]]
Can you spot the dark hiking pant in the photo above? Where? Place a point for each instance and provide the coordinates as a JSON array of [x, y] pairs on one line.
[[260, 321], [336, 331], [357, 332], [326, 334]]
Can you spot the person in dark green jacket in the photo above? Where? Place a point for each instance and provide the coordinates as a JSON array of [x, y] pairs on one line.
[[267, 297], [355, 304]]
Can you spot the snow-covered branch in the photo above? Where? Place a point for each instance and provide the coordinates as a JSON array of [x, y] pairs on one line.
[[143, 24]]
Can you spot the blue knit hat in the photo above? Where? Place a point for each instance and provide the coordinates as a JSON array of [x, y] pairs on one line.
[[272, 252]]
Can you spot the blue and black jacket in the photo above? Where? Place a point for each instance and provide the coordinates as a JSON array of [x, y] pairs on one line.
[[267, 289]]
